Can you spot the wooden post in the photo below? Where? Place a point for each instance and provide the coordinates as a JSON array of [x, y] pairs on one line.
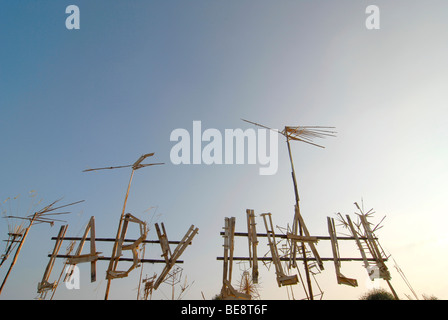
[[282, 278], [253, 242], [297, 226], [16, 255], [164, 243], [228, 292], [91, 257], [114, 260], [44, 284], [225, 272], [337, 263]]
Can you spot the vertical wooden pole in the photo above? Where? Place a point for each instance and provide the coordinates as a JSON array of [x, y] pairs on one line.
[[253, 242], [231, 246], [16, 255], [226, 256], [114, 260], [92, 249], [297, 225]]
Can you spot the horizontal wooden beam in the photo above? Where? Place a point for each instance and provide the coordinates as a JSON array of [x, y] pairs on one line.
[[301, 238], [300, 259], [113, 240], [121, 259], [284, 236]]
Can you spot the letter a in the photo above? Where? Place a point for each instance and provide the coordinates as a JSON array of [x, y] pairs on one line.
[[212, 152], [373, 20], [73, 280], [72, 21], [183, 147]]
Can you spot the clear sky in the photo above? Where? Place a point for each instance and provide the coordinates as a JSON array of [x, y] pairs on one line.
[[116, 88]]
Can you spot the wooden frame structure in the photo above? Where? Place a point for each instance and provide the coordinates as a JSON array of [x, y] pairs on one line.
[[364, 234], [91, 257], [41, 216], [304, 134], [369, 244], [307, 238], [120, 243], [14, 236], [44, 285], [111, 272], [228, 292], [171, 258], [282, 278]]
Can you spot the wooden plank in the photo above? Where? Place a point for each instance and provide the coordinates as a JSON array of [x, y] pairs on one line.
[[163, 240], [341, 279], [133, 247], [288, 259], [284, 236], [170, 261], [358, 241], [112, 240], [93, 249], [299, 217], [44, 284], [298, 238], [227, 291], [253, 243], [67, 256], [282, 278], [81, 258]]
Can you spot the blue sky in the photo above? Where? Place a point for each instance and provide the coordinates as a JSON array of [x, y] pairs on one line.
[[136, 70]]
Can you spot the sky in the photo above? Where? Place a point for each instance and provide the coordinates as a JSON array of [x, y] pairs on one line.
[[135, 71]]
